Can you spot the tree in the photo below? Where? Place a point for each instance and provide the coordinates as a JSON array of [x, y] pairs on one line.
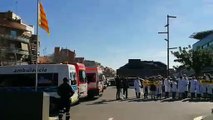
[[194, 59]]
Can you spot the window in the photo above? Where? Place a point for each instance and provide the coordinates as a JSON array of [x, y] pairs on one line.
[[82, 76], [73, 78], [13, 33], [91, 77], [28, 80]]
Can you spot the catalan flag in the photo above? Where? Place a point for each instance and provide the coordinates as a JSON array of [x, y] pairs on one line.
[[43, 23]]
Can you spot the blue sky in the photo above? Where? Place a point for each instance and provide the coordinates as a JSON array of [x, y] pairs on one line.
[[112, 31]]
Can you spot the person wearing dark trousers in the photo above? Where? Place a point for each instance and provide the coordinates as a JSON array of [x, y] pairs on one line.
[[153, 90], [118, 87], [65, 92], [125, 87]]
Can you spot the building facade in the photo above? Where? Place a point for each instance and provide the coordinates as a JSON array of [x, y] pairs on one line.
[[205, 40], [62, 55], [16, 40], [138, 68]]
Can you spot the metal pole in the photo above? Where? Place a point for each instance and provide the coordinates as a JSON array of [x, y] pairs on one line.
[[167, 45], [36, 81]]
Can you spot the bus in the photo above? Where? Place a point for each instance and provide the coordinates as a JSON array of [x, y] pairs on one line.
[[95, 79], [50, 76], [81, 79]]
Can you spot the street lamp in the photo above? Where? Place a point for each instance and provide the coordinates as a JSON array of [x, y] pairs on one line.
[[167, 32]]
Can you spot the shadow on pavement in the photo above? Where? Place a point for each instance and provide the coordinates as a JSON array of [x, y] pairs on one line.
[[102, 102], [198, 100], [170, 100], [141, 100], [87, 99]]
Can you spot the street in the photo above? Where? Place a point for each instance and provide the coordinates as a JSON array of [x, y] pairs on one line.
[[107, 108]]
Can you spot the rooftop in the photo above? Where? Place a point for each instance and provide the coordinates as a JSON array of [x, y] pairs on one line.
[[201, 35]]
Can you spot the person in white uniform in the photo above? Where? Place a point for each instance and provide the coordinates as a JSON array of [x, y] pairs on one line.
[[193, 84], [180, 87], [167, 86], [185, 86], [137, 86], [174, 89]]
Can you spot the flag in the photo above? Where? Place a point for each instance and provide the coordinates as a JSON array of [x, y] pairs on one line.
[[43, 23]]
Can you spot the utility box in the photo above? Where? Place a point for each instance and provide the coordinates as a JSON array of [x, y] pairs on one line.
[[24, 106]]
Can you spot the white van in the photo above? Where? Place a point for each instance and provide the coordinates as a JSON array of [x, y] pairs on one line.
[[50, 76]]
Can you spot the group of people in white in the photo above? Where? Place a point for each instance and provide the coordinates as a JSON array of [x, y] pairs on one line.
[[178, 88]]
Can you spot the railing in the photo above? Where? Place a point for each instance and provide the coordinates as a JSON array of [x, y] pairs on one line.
[[15, 51], [19, 38]]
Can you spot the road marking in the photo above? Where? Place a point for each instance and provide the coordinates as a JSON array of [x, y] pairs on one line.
[[199, 118], [110, 118]]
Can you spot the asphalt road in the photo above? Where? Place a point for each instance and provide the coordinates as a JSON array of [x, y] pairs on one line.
[[107, 108]]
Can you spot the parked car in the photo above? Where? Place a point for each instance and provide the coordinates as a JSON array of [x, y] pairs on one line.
[[111, 82]]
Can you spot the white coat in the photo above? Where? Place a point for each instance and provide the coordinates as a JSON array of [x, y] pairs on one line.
[[180, 86], [193, 84], [202, 88], [174, 87], [167, 85], [198, 88], [185, 84], [209, 88], [159, 88], [137, 86]]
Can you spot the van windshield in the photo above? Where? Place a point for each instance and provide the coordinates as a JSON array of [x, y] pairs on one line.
[[91, 77], [82, 76]]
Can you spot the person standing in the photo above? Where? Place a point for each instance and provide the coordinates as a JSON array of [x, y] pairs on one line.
[[193, 84], [198, 89], [145, 88], [186, 86], [137, 86], [174, 89], [167, 86], [125, 87], [118, 87], [153, 89], [159, 89], [65, 92]]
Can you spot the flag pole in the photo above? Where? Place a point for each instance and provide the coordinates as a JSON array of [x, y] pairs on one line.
[[36, 81]]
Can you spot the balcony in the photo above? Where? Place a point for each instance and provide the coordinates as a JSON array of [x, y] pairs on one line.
[[19, 38], [17, 51]]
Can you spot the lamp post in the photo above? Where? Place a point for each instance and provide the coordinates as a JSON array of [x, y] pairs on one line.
[[167, 32]]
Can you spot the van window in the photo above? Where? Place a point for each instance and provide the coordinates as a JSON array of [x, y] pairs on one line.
[[82, 76], [91, 77], [73, 78], [28, 80]]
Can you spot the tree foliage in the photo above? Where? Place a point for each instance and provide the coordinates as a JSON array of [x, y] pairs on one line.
[[194, 59]]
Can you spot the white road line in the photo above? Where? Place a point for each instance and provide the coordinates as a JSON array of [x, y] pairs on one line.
[[110, 118], [199, 118]]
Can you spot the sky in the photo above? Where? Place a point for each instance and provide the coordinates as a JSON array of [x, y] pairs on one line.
[[113, 31]]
